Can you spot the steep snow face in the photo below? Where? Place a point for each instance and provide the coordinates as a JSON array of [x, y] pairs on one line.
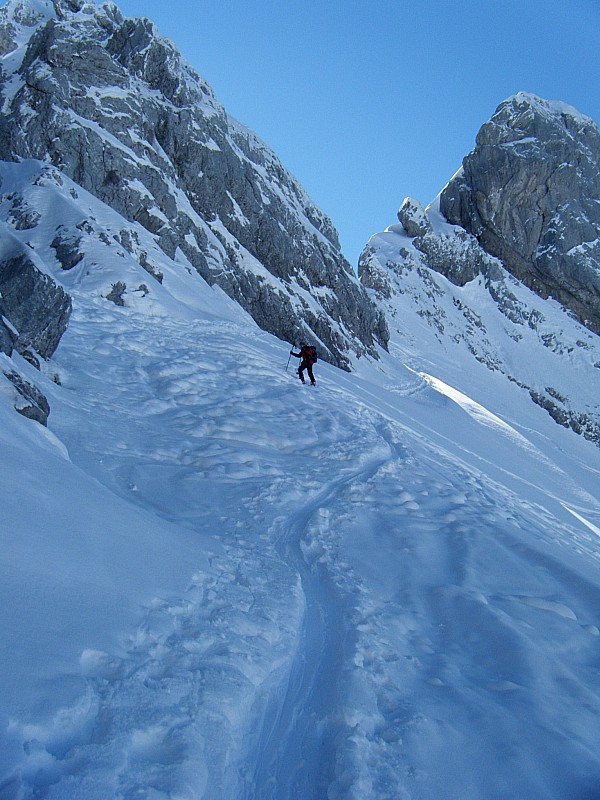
[[456, 312], [530, 193], [217, 583], [112, 105]]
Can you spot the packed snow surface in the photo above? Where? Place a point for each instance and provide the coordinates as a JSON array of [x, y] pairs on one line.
[[218, 583]]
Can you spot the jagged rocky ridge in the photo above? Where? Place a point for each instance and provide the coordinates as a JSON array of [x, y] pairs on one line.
[[111, 105], [505, 265]]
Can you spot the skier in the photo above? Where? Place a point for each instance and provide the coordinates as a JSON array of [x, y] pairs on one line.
[[308, 354]]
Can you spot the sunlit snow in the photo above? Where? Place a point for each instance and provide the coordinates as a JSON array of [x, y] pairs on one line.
[[218, 583]]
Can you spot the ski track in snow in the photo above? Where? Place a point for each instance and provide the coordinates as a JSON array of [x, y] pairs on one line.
[[296, 668]]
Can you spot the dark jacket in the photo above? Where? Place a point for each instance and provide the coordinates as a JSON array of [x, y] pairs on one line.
[[306, 354]]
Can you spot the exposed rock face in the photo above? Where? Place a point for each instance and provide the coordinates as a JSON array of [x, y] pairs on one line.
[[8, 335], [34, 313], [112, 105], [35, 305], [530, 193]]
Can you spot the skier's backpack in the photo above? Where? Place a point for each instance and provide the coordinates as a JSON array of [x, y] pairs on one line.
[[312, 354]]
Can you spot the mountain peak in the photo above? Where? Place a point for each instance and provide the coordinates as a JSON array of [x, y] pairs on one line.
[[32, 13], [543, 107], [522, 248], [526, 115], [528, 193]]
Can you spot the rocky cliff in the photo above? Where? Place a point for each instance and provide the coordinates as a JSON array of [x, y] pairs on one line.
[[530, 193], [504, 267], [111, 105]]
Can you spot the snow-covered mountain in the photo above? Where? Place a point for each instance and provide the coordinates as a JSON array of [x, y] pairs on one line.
[[501, 273], [112, 105], [216, 583]]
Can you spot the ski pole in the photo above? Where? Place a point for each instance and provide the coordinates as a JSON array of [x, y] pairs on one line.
[[289, 357]]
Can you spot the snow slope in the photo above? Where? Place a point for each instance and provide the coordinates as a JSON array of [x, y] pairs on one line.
[[217, 583]]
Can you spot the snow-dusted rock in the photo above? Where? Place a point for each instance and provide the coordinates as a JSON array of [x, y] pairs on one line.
[[436, 317], [530, 193], [413, 218], [29, 401]]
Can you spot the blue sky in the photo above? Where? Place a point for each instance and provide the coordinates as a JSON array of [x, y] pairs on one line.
[[369, 101]]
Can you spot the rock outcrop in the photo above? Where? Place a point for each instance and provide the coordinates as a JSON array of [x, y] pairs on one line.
[[29, 401], [35, 305], [8, 335], [34, 313], [458, 257], [530, 193]]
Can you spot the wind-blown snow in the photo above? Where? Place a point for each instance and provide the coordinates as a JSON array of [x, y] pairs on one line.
[[217, 583], [552, 108]]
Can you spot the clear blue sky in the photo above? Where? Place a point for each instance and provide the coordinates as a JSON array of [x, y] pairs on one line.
[[368, 101]]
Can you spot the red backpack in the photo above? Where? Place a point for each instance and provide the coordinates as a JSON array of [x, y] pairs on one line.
[[310, 354]]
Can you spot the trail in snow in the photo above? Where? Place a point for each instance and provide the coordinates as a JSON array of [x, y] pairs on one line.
[[379, 614], [294, 751]]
